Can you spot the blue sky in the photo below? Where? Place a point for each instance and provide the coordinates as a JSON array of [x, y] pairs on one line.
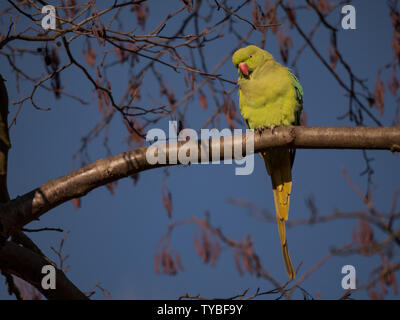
[[113, 238]]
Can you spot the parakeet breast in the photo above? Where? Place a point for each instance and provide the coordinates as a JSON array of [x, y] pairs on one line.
[[268, 97]]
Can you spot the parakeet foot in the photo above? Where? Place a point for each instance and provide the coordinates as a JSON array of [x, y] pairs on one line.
[[260, 130], [272, 128]]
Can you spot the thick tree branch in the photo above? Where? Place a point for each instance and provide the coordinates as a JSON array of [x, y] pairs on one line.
[[27, 265], [22, 257], [22, 210], [5, 144]]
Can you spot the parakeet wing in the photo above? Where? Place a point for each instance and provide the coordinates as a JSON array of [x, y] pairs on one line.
[[299, 97]]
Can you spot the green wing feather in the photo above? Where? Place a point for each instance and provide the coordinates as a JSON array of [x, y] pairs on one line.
[[299, 97]]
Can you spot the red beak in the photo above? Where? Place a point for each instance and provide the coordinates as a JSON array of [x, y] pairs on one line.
[[244, 68]]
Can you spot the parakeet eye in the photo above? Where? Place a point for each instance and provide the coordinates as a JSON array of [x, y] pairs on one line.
[[250, 56]]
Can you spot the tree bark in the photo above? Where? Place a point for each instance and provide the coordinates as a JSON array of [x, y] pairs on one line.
[[24, 209], [22, 257], [28, 265]]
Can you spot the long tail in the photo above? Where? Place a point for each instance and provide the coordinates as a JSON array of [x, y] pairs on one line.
[[279, 167]]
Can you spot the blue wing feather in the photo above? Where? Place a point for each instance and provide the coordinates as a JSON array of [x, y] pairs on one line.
[[299, 92]]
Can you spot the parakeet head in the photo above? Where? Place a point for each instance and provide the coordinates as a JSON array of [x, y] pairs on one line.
[[247, 59]]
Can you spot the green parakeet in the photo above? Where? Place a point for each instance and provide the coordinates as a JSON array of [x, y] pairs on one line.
[[270, 95]]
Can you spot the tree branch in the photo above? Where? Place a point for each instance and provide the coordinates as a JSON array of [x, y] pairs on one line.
[[27, 265], [20, 211]]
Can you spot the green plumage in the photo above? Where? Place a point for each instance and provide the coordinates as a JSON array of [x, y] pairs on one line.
[[270, 95]]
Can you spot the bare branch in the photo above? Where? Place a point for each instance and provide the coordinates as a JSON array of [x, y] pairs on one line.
[[26, 264], [22, 210]]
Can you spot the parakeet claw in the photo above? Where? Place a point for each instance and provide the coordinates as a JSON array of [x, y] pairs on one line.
[[272, 128], [260, 130]]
